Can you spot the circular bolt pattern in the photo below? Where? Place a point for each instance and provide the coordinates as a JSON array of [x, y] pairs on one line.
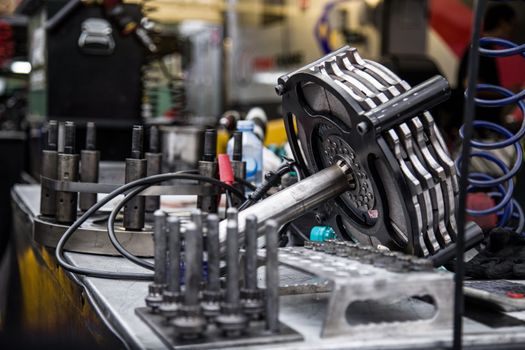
[[361, 198]]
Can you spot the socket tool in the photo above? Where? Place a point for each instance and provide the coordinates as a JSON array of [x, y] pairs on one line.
[[49, 170], [68, 161], [89, 167], [136, 167]]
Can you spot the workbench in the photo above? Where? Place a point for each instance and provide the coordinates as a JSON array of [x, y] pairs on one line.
[[105, 308]]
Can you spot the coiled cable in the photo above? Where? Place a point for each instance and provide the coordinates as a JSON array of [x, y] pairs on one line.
[[144, 182], [506, 208]]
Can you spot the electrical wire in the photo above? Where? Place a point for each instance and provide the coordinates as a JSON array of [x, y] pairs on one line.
[[245, 183], [148, 181], [113, 216], [111, 226], [260, 191], [113, 237], [472, 73], [229, 202], [114, 213]]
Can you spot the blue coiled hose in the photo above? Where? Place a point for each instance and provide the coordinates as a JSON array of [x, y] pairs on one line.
[[507, 208]]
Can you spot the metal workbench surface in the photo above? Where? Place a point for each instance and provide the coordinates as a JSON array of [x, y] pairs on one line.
[[115, 301]]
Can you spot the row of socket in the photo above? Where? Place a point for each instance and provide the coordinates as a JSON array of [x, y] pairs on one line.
[[201, 303], [68, 166]]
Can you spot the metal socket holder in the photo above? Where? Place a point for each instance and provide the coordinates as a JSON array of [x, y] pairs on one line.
[[171, 297], [66, 202], [208, 167], [154, 161], [154, 298], [135, 169], [231, 321], [49, 170], [251, 296], [190, 323], [89, 167], [211, 296]]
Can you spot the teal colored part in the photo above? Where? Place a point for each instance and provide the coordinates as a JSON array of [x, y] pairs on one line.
[[322, 233]]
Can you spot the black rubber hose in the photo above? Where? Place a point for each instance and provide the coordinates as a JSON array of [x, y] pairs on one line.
[[151, 180]]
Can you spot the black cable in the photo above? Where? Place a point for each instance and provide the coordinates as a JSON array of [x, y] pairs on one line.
[[113, 216], [265, 187], [298, 231], [229, 202], [290, 226], [282, 232], [246, 183], [113, 237], [472, 73], [151, 180]]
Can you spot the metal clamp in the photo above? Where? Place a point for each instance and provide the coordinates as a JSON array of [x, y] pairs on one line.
[[93, 187]]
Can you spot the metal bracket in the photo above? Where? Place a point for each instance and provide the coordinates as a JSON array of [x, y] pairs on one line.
[[94, 187], [372, 275]]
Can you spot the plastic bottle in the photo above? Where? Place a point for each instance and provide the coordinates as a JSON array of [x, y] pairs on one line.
[[252, 151], [260, 120]]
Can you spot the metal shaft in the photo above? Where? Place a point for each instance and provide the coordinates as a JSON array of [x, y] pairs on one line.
[[272, 276], [214, 283], [238, 166], [137, 140], [197, 218], [91, 136], [49, 170], [250, 257], [89, 167], [159, 235], [237, 146], [232, 259], [294, 201], [153, 146], [69, 138], [239, 171], [136, 168], [52, 136], [192, 277], [173, 277], [207, 203], [210, 145], [154, 161], [208, 167], [67, 202]]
